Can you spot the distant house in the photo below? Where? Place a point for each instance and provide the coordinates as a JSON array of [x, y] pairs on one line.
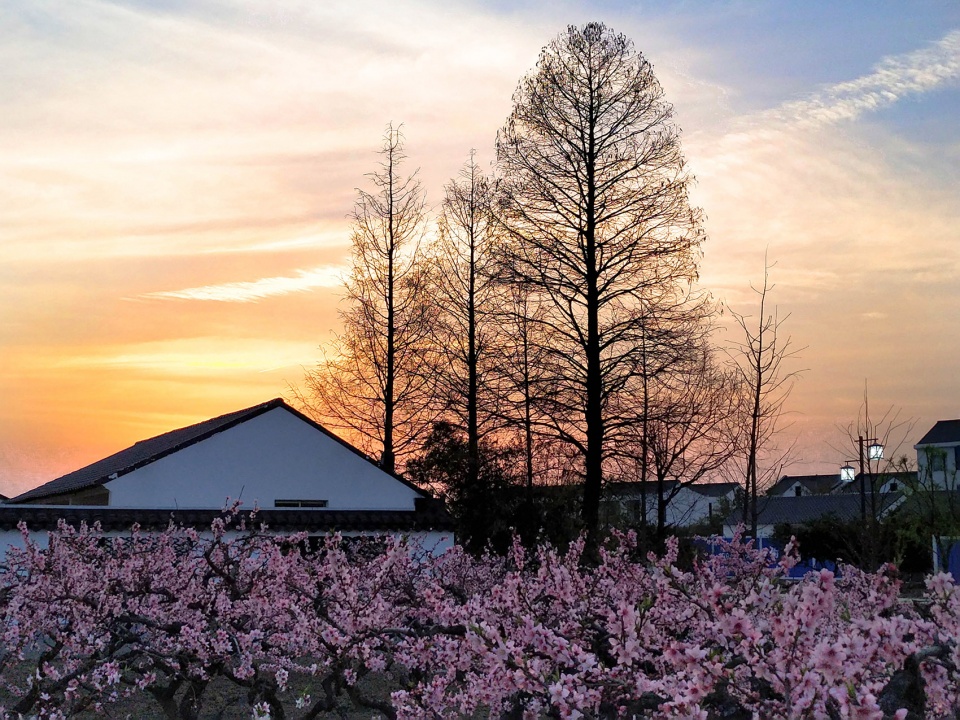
[[804, 485], [689, 504], [801, 509], [300, 476], [800, 499], [938, 455]]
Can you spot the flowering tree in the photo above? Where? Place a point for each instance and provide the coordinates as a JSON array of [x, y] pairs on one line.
[[726, 639], [92, 619]]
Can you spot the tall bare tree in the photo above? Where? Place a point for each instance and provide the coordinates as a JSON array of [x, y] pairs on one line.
[[466, 293], [367, 382], [596, 206], [760, 356], [521, 371]]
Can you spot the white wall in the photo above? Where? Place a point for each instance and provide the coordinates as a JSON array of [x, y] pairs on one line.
[[689, 507], [763, 531], [273, 455], [792, 490], [946, 478]]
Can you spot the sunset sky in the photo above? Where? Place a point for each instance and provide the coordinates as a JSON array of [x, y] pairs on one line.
[[175, 179]]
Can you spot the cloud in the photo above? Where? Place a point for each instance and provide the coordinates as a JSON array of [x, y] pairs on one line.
[[202, 357], [893, 79], [785, 180], [862, 219], [252, 291]]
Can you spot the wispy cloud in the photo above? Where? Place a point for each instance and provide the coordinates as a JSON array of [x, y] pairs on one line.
[[200, 357], [893, 79], [856, 216], [254, 290], [787, 159]]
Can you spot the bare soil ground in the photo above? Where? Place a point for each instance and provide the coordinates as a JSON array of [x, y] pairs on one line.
[[224, 700]]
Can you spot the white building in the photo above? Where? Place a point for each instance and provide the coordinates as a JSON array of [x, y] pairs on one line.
[[938, 455], [270, 456], [687, 504]]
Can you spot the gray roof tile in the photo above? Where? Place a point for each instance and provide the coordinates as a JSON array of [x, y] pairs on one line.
[[430, 514], [790, 509]]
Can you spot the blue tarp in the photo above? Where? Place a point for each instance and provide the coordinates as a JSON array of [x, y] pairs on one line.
[[797, 571], [949, 559], [953, 560]]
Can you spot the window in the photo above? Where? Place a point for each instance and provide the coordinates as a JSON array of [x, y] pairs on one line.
[[938, 460], [798, 491], [893, 486], [299, 503]]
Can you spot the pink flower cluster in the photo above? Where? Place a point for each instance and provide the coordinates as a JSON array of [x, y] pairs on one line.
[[536, 634]]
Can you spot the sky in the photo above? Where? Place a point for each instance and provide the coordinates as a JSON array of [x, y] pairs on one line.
[[175, 181]]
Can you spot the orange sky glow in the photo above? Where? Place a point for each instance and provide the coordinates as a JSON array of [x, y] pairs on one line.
[[175, 183]]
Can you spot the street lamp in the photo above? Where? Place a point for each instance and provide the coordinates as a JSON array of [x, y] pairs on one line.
[[874, 451]]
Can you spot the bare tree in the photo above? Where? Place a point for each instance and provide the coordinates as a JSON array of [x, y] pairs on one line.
[[875, 445], [521, 373], [760, 356], [673, 340], [596, 207], [367, 382], [694, 427], [466, 294]]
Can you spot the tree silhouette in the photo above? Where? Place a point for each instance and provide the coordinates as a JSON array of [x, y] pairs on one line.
[[759, 356], [595, 206], [368, 381], [466, 294]]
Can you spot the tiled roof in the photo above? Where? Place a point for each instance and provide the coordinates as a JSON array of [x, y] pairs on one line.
[[945, 431], [791, 509], [624, 488], [816, 484], [715, 489], [429, 514], [148, 451], [704, 488]]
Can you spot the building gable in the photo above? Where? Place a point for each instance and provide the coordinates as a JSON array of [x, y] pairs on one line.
[[263, 454]]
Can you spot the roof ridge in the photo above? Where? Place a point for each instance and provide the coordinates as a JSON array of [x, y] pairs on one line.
[[99, 471], [149, 450]]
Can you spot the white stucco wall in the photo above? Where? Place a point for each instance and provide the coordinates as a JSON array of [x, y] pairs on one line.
[[690, 507], [763, 531], [275, 455], [792, 490]]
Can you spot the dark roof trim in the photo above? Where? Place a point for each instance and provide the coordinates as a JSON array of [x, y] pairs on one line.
[[429, 515], [944, 431], [128, 460]]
